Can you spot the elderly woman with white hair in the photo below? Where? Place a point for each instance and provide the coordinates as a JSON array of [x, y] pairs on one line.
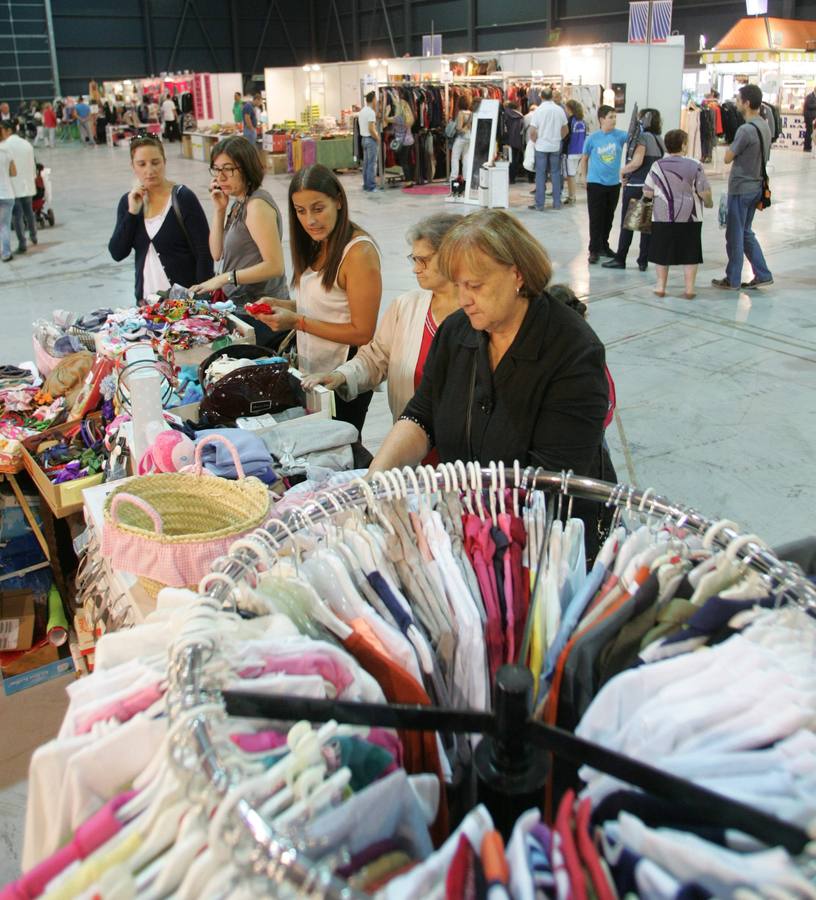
[[398, 350]]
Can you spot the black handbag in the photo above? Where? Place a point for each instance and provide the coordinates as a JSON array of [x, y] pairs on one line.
[[249, 391]]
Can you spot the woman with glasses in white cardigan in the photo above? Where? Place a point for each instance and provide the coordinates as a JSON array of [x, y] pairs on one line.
[[400, 346]]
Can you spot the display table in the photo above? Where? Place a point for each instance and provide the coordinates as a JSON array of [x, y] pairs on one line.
[[197, 144], [334, 153]]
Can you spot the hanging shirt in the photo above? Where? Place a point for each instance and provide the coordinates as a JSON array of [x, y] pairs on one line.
[[154, 278]]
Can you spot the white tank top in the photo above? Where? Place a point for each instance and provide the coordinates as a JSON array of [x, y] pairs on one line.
[[316, 354]]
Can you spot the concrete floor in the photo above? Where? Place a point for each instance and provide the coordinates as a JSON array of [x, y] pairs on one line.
[[716, 397]]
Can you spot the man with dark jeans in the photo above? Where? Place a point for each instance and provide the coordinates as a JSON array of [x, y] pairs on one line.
[[648, 149], [744, 192], [601, 162]]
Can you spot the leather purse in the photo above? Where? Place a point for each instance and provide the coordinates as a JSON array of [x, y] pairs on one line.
[[638, 215], [248, 391]]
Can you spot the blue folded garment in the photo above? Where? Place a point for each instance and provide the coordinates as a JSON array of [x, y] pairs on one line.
[[255, 458]]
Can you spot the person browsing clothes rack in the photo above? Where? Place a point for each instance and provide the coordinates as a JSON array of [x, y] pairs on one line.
[[163, 223], [337, 279], [514, 374], [403, 338]]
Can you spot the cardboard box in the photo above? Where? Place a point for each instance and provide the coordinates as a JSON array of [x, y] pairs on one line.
[[35, 666], [16, 620], [276, 163]]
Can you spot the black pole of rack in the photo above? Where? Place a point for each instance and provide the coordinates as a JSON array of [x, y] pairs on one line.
[[511, 774]]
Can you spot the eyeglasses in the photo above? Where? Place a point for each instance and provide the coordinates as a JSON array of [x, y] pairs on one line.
[[228, 171], [421, 261]]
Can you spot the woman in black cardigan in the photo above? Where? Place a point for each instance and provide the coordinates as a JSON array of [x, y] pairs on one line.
[[164, 223], [514, 374]]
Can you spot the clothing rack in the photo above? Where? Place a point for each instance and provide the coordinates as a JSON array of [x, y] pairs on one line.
[[278, 858]]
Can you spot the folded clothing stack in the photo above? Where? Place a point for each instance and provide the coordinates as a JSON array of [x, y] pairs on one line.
[[255, 458], [311, 442]]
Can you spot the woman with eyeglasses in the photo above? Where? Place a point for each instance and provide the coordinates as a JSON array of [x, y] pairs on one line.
[[163, 223], [246, 238], [403, 338], [337, 279]]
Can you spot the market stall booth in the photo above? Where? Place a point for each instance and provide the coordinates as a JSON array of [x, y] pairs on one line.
[[318, 104], [777, 54]]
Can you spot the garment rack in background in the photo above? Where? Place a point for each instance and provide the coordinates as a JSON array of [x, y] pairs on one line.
[[278, 858]]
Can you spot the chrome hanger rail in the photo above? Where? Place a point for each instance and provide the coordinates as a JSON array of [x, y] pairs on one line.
[[274, 856]]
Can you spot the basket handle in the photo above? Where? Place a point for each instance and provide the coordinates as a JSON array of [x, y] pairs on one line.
[[139, 503], [218, 438]]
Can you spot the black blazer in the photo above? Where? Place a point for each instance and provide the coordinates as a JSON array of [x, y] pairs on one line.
[[544, 405], [184, 265]]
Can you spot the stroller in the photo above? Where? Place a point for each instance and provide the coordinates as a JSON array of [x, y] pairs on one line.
[[41, 203]]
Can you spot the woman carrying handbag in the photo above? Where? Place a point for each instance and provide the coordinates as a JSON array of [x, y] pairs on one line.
[[679, 189]]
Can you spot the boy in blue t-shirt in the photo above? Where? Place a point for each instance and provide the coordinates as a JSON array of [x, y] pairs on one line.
[[601, 161]]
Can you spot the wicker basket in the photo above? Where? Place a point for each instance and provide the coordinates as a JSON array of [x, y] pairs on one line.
[[167, 529]]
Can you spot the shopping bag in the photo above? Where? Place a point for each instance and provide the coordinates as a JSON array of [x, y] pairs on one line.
[[529, 157], [638, 215]]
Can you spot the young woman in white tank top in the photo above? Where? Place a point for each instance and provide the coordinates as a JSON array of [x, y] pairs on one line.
[[337, 282]]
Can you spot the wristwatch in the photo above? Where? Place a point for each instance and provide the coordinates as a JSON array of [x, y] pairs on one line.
[[232, 277]]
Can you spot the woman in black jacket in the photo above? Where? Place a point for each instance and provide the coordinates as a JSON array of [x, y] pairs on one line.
[[515, 374], [163, 222]]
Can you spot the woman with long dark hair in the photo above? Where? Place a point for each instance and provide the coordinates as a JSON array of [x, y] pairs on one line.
[[337, 279]]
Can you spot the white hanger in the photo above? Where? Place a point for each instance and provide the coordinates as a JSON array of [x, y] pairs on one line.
[[516, 480], [397, 475], [464, 486], [444, 471], [476, 487], [310, 806], [713, 531], [494, 489], [502, 488]]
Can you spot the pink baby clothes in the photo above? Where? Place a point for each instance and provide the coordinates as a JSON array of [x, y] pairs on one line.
[[260, 741], [120, 710], [480, 548], [309, 662], [90, 835]]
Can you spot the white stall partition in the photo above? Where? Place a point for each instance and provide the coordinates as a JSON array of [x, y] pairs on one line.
[[653, 75], [214, 95], [280, 95]]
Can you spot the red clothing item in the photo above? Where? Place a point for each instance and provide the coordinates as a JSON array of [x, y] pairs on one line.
[[569, 876], [595, 866], [428, 333], [480, 549], [49, 118], [419, 747], [613, 398]]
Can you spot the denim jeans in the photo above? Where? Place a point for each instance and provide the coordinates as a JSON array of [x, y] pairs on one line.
[[545, 162], [740, 240], [6, 207], [24, 217], [369, 164]]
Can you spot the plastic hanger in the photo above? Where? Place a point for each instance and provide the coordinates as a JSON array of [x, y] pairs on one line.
[[492, 492], [476, 489], [516, 481]]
